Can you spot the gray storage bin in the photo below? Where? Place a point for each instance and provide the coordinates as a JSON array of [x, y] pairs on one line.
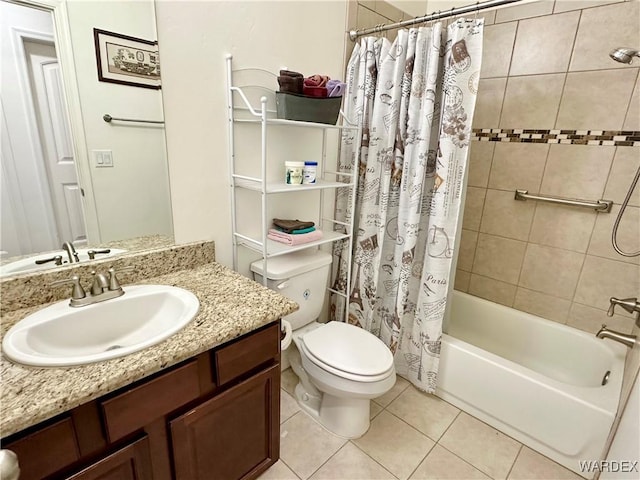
[[292, 106]]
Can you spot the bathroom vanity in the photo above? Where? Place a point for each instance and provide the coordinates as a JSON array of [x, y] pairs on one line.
[[212, 416], [203, 404]]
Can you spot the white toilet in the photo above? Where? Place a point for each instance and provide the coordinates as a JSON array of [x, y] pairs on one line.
[[341, 367]]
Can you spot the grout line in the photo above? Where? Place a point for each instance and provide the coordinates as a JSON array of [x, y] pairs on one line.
[[452, 422], [327, 460], [588, 7], [473, 255], [423, 459], [289, 467], [502, 236], [546, 157], [635, 84], [411, 426], [356, 445], [522, 287], [466, 461], [575, 39], [513, 46], [504, 96], [484, 423], [515, 460], [584, 261]]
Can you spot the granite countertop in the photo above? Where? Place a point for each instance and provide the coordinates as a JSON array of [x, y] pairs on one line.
[[230, 305], [129, 245]]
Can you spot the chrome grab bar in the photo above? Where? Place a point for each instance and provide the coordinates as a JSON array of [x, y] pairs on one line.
[[108, 118], [598, 205]]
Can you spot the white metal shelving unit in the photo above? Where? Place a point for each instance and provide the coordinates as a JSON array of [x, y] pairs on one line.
[[333, 229]]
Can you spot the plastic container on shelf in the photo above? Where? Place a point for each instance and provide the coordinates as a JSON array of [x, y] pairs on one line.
[[294, 173], [309, 172], [292, 106]]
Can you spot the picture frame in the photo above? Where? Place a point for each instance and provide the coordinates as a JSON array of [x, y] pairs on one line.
[[127, 60]]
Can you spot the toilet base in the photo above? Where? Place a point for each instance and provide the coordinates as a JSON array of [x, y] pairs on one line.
[[345, 417]]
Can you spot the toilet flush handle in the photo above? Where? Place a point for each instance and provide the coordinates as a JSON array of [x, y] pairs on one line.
[[282, 285]]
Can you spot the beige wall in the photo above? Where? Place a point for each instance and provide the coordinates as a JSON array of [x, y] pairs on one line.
[[194, 37], [546, 66]]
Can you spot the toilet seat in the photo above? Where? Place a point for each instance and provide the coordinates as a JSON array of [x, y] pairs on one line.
[[348, 352]]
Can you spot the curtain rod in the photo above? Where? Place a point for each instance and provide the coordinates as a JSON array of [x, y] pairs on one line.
[[353, 34]]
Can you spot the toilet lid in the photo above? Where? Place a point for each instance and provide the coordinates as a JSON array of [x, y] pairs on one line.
[[349, 348]]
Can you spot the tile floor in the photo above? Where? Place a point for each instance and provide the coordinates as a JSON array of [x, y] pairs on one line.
[[412, 436]]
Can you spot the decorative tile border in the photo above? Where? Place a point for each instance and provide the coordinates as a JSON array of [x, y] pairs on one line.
[[617, 138]]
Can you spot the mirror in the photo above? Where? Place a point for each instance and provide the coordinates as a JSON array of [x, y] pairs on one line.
[[67, 175]]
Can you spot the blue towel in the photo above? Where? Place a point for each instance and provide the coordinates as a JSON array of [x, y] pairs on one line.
[[299, 231]]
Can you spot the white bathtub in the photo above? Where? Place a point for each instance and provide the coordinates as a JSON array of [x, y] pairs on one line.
[[538, 381]]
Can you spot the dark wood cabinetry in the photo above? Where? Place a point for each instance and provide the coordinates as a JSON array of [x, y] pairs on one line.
[[232, 435], [215, 416], [132, 462]]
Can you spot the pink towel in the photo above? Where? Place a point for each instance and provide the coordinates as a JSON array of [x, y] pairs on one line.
[[316, 81], [295, 239]]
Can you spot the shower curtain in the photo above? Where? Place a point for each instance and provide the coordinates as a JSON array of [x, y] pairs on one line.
[[415, 98]]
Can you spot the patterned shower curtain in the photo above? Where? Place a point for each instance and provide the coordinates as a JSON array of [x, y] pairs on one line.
[[416, 98]]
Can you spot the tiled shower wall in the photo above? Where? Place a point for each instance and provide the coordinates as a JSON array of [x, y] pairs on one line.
[[546, 68], [369, 13]]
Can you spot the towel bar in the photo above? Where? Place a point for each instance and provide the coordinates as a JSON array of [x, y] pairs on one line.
[[108, 118], [598, 205]]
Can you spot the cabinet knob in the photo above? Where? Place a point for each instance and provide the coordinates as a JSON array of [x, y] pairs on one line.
[[9, 468]]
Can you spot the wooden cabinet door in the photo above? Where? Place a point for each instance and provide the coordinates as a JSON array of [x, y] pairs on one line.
[[234, 435], [129, 463]]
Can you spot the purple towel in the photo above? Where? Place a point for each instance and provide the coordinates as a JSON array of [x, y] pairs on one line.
[[335, 88]]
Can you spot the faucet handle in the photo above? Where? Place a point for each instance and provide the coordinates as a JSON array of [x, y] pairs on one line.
[[629, 304], [57, 259], [92, 253], [77, 293], [113, 279]]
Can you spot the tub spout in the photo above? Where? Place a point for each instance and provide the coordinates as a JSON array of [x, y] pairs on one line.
[[623, 338]]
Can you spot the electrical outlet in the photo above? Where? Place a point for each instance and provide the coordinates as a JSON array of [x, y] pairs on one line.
[[103, 158]]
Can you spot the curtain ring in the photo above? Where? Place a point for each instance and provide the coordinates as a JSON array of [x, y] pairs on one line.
[[477, 10]]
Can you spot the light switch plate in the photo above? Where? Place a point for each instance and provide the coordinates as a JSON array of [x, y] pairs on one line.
[[102, 158]]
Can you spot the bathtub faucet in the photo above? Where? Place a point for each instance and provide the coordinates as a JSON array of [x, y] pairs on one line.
[[631, 305], [623, 338]]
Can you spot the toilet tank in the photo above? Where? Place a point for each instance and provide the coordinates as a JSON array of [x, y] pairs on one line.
[[301, 276]]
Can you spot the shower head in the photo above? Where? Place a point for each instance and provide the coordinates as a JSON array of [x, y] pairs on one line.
[[623, 54]]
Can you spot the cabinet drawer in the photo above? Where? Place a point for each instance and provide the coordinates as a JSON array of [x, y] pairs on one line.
[[247, 353], [46, 451], [129, 463], [136, 408]]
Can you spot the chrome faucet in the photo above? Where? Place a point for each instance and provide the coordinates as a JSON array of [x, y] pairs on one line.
[[71, 252], [100, 283], [623, 338], [631, 305], [102, 288]]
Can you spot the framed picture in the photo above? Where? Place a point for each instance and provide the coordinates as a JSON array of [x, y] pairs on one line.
[[127, 60]]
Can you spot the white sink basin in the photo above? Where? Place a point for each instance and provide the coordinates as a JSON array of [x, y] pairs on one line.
[[29, 264], [60, 335]]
